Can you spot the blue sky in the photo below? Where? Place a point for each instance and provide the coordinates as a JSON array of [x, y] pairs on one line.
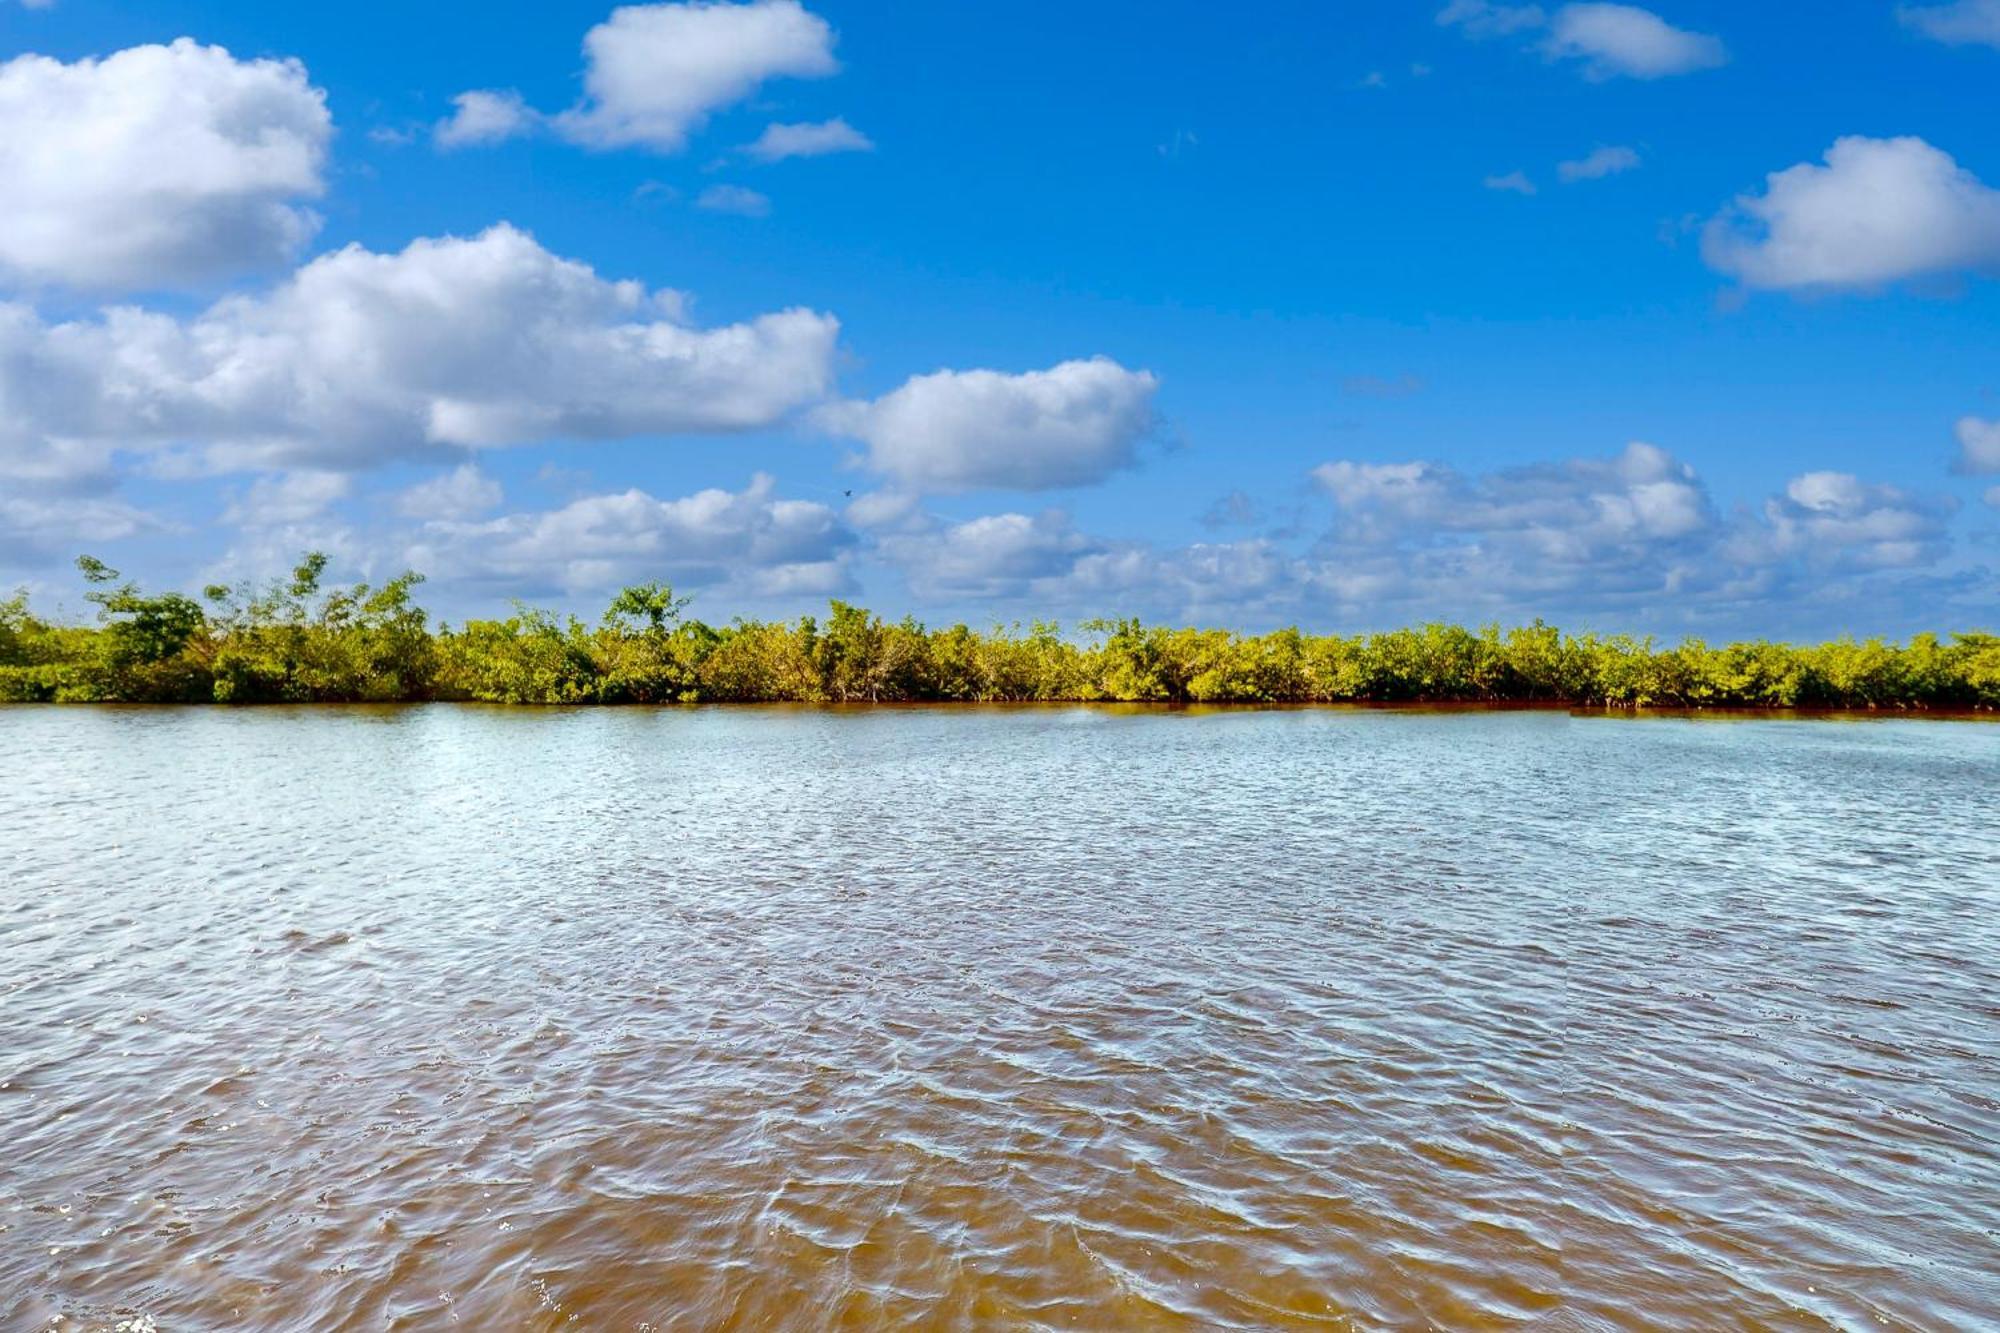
[[1669, 320]]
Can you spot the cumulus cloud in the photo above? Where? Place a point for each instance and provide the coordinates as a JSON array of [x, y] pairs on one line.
[[462, 493], [1834, 519], [1575, 510], [1613, 40], [290, 497], [38, 529], [1514, 182], [1962, 23], [1597, 164], [1879, 211], [1630, 541], [1411, 532], [886, 509], [157, 166], [1609, 39], [1201, 582], [1978, 446], [1634, 534], [1043, 562], [749, 541], [1632, 538], [956, 430], [993, 557], [654, 73], [485, 116], [737, 199], [808, 140], [447, 345]]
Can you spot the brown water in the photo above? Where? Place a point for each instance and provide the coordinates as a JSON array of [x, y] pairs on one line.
[[351, 1019]]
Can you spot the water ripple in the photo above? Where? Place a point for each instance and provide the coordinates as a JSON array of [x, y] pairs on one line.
[[739, 1019]]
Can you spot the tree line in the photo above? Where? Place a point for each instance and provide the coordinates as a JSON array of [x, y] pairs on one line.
[[300, 641]]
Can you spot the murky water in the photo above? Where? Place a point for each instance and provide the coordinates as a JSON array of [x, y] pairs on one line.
[[351, 1019]]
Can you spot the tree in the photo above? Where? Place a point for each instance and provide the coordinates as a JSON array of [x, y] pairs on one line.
[[652, 603], [139, 630]]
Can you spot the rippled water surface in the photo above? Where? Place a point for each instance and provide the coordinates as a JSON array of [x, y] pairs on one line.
[[351, 1019]]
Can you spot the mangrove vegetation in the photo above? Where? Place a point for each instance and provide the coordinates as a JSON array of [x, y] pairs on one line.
[[301, 641]]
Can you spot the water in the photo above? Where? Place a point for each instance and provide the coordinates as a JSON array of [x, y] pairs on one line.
[[732, 1019]]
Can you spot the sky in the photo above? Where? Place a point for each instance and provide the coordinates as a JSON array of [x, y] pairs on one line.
[[1674, 320]]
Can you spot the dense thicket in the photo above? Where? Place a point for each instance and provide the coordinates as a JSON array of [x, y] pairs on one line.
[[297, 641]]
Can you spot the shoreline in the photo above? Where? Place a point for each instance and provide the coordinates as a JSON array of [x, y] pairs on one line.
[[301, 642], [1133, 707]]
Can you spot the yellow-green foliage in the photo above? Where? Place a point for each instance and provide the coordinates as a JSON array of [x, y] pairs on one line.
[[296, 641]]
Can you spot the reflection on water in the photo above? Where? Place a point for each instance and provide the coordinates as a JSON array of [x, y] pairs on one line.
[[346, 1019]]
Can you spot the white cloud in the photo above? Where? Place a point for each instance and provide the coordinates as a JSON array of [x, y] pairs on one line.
[[1204, 582], [654, 73], [291, 497], [1479, 18], [1978, 446], [808, 140], [1044, 563], [1879, 211], [1599, 163], [485, 116], [450, 344], [462, 493], [748, 541], [1835, 519], [997, 556], [737, 199], [261, 552], [1573, 508], [157, 166], [1403, 487], [56, 431], [1628, 542], [1962, 23], [37, 529], [1623, 39], [1609, 39], [1599, 531], [885, 509], [1634, 534], [956, 430], [1514, 182]]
